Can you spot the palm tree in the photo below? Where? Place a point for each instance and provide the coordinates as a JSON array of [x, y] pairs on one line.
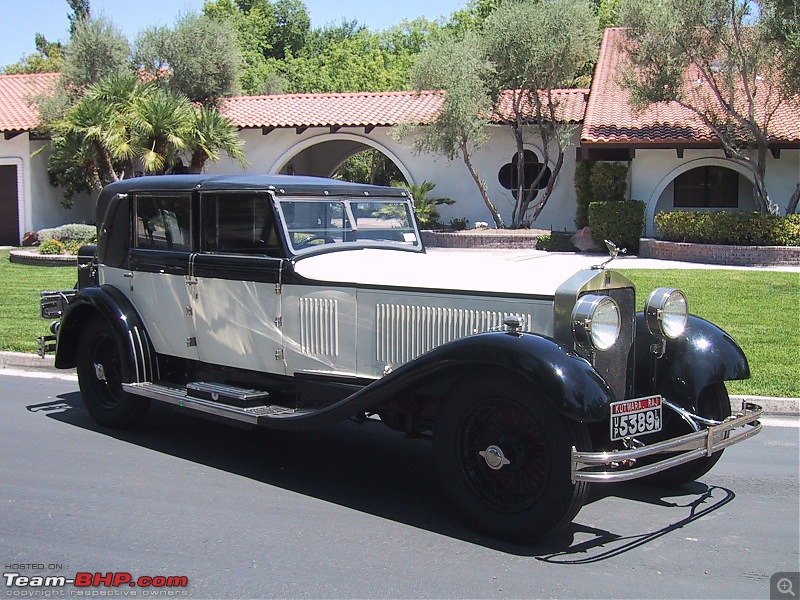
[[424, 204], [161, 127], [212, 133]]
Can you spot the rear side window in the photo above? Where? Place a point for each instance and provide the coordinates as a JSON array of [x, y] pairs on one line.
[[164, 223], [238, 224]]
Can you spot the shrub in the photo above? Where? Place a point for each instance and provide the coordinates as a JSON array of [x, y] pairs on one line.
[[729, 228], [583, 192], [609, 182], [555, 241], [598, 182], [51, 247], [72, 232], [619, 222]]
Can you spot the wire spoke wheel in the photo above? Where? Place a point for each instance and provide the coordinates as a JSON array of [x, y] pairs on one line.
[[504, 460], [101, 372]]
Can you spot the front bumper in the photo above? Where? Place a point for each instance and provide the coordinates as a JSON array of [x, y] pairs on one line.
[[588, 466]]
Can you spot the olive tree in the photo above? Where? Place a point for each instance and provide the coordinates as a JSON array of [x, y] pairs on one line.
[[735, 64], [460, 68], [537, 48], [198, 57]]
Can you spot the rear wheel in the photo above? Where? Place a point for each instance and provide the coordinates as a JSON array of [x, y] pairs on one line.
[[100, 376], [713, 403], [505, 461]]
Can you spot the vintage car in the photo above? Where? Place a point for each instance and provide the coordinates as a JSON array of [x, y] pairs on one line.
[[295, 302]]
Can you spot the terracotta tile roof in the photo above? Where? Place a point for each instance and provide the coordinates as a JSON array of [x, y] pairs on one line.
[[332, 110], [610, 119], [363, 109], [570, 105], [360, 109], [17, 113]]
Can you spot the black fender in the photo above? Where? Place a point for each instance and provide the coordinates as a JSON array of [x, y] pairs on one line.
[[705, 354], [107, 301], [555, 373]]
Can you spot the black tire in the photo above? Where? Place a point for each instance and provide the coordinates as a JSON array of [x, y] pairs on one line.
[[101, 373], [713, 403], [530, 493]]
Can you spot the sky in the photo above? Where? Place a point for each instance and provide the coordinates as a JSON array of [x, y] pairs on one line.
[[22, 19]]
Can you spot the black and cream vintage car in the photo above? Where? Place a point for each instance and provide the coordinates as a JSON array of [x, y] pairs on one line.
[[294, 303]]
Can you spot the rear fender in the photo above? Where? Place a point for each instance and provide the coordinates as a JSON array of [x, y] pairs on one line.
[[119, 313], [704, 355]]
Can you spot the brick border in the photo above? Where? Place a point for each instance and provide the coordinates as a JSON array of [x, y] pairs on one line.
[[28, 257], [495, 241], [748, 256]]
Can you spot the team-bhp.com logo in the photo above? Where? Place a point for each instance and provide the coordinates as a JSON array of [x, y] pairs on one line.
[[97, 580]]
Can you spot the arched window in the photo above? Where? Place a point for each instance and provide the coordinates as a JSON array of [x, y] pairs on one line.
[[707, 187]]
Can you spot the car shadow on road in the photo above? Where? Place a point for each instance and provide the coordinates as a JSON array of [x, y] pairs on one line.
[[371, 469]]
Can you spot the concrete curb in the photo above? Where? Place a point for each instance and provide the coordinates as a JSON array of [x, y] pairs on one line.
[[34, 363]]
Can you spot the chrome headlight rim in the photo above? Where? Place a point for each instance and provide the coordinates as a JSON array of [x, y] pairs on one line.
[[596, 322], [667, 313]]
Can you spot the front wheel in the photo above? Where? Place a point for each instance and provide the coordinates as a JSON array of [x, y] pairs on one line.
[[100, 376], [505, 461]]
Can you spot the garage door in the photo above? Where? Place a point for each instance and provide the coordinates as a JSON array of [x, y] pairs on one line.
[[9, 211]]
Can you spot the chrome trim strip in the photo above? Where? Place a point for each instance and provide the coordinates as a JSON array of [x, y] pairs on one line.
[[693, 446]]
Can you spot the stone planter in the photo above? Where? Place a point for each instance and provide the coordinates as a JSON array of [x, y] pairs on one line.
[[748, 256], [32, 257]]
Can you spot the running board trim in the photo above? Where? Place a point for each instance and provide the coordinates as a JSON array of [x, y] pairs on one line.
[[177, 396]]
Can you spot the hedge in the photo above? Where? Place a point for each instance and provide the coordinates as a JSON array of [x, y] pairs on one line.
[[72, 232], [729, 228], [619, 222]]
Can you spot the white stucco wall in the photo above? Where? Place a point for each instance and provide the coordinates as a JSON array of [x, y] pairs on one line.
[[271, 153], [39, 203], [653, 171]]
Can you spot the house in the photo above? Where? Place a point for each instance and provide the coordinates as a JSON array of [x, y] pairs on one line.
[[671, 155], [676, 162]]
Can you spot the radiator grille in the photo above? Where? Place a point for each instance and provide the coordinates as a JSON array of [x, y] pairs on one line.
[[616, 364], [405, 332], [319, 326]]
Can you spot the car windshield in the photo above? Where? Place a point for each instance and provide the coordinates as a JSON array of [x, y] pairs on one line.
[[310, 223]]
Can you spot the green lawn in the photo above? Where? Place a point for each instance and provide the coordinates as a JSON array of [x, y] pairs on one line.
[[760, 309], [20, 285]]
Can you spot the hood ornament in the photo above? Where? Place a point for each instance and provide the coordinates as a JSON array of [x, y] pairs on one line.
[[613, 251]]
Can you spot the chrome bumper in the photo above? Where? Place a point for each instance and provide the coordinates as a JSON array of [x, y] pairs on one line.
[[586, 466]]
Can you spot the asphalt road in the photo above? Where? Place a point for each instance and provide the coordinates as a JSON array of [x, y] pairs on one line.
[[355, 512]]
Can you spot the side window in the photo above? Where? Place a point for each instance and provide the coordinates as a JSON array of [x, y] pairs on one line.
[[164, 223], [238, 224]]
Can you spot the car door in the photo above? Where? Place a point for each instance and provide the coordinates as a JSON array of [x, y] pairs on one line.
[[158, 282], [237, 275]]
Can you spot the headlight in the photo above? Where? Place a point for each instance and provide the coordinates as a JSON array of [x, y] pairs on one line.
[[666, 313], [596, 322]]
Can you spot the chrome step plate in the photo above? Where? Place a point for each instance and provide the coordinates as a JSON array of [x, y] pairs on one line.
[[177, 396]]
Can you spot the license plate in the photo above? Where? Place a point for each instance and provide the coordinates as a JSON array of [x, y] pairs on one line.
[[639, 416]]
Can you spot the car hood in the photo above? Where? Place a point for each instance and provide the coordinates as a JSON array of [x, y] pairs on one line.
[[452, 271]]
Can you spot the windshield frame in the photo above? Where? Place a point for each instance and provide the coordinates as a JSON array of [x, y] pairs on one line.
[[349, 215]]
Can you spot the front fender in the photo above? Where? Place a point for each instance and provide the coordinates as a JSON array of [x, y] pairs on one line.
[[558, 375], [109, 303], [705, 354]]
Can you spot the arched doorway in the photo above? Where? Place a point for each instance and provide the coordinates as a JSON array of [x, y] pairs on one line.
[[325, 155]]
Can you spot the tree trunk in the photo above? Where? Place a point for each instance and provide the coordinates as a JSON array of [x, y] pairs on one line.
[[792, 208], [198, 162], [498, 220]]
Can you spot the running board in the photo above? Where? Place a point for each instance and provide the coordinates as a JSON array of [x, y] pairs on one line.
[[178, 396]]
